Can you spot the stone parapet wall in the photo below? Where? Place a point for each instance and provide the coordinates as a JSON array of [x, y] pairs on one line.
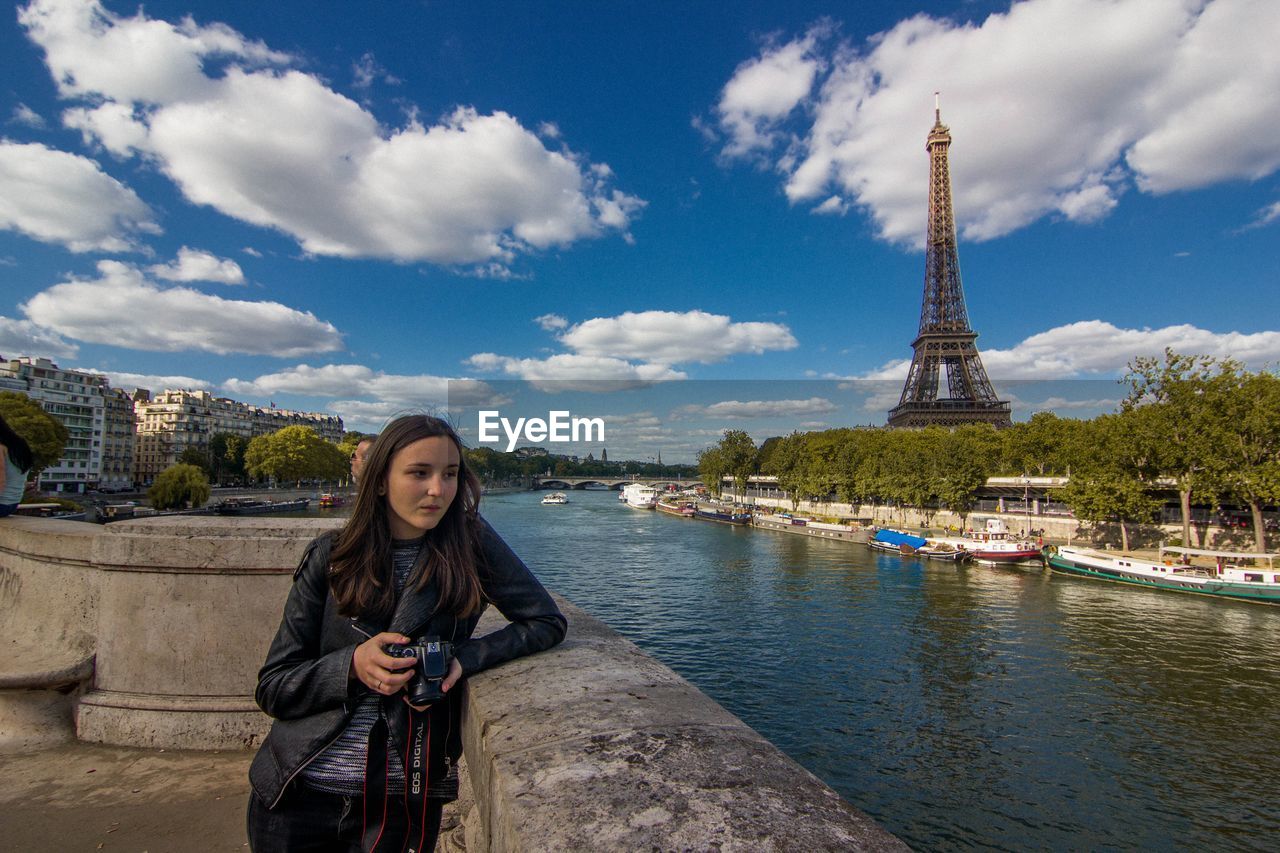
[[595, 745], [592, 745], [187, 608], [48, 627]]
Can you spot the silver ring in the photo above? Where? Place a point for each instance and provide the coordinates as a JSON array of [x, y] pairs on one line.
[[379, 683]]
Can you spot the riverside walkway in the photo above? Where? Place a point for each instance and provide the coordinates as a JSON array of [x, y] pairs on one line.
[[128, 655]]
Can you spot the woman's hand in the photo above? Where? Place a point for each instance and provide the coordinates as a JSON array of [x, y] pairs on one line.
[[451, 678], [379, 671]]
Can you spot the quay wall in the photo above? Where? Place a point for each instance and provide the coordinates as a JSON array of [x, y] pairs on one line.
[[1057, 528], [150, 633]]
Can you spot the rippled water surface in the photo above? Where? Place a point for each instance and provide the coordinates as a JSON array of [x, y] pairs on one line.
[[972, 707]]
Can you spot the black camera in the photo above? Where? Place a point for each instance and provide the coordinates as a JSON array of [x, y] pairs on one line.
[[433, 656]]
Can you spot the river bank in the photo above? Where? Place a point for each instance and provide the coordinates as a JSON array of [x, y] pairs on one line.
[[1055, 528]]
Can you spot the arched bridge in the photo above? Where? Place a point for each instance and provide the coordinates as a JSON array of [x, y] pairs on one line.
[[614, 483]]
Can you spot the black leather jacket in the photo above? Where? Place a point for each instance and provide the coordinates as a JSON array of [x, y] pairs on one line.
[[304, 683]]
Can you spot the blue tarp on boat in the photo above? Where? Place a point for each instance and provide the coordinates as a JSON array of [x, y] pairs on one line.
[[896, 537]]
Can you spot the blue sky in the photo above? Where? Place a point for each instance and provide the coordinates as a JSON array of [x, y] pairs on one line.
[[294, 203]]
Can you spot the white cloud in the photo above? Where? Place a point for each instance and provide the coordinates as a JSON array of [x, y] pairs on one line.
[[744, 409], [636, 348], [1062, 404], [122, 308], [199, 265], [24, 115], [92, 52], [368, 70], [551, 322], [391, 392], [369, 416], [1263, 217], [832, 206], [667, 337], [56, 197], [344, 380], [1094, 96], [276, 147], [765, 90], [571, 370], [150, 381], [1095, 348], [23, 337], [1098, 348]]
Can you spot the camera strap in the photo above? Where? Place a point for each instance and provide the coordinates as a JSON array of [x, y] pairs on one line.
[[397, 827], [417, 754]]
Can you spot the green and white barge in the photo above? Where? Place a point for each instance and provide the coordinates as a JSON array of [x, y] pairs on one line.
[[1244, 576]]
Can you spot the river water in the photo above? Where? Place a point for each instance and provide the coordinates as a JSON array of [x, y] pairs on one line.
[[971, 707]]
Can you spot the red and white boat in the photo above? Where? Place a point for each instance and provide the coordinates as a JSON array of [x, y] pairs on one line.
[[993, 544]]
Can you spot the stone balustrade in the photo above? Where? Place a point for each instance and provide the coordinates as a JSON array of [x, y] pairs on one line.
[[150, 633]]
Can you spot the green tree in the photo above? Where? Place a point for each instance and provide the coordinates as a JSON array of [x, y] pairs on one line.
[[294, 453], [197, 457], [179, 486], [44, 433], [1112, 484], [909, 475], [1036, 446], [226, 456], [739, 454], [1184, 428], [784, 461], [968, 456], [712, 468], [1249, 456]]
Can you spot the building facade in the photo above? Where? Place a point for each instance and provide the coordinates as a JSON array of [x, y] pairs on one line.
[[117, 440], [171, 422], [76, 400]]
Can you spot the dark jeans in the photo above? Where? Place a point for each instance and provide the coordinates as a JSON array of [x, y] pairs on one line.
[[311, 821]]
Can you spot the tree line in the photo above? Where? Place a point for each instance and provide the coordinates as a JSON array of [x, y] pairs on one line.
[[291, 454], [1205, 428]]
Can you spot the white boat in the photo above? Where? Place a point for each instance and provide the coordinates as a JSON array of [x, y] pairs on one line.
[[1247, 576], [910, 545], [556, 498], [992, 545], [640, 496]]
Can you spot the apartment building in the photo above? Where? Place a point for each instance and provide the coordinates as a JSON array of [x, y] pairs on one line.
[[77, 400], [170, 422], [117, 440]]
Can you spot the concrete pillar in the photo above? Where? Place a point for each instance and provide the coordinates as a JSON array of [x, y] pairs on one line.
[[187, 607]]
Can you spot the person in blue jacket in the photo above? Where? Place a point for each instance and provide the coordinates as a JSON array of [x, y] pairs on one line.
[[349, 763]]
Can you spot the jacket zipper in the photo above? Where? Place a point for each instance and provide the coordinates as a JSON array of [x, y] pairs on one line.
[[302, 766], [312, 757]]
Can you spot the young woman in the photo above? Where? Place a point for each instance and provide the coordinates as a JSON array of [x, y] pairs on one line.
[[15, 464], [349, 764]]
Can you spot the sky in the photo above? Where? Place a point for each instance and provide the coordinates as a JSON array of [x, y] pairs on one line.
[[368, 208]]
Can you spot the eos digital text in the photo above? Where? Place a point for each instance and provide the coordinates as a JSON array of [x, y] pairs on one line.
[[558, 427]]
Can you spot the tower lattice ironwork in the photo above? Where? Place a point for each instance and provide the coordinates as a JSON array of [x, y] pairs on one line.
[[945, 343]]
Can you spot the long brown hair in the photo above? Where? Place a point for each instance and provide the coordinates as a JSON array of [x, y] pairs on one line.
[[360, 573]]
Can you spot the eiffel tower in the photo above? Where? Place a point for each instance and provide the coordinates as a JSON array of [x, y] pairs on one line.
[[945, 341]]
